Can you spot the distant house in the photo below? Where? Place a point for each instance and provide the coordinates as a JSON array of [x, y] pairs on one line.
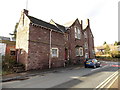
[[118, 46], [7, 47], [2, 49], [99, 50], [42, 45]]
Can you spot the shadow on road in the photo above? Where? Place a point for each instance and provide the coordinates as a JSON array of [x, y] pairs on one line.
[[68, 84]]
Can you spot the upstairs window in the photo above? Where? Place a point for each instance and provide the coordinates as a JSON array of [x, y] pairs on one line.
[[85, 34], [77, 33], [66, 36], [54, 52]]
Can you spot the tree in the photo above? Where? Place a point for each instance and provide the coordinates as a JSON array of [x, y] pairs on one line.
[[15, 31], [116, 43], [104, 43], [107, 49]]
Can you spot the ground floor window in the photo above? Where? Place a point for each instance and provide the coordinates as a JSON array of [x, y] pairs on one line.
[[54, 52], [12, 53], [79, 51], [86, 55]]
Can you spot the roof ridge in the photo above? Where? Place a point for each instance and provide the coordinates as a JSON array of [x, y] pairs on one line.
[[40, 20]]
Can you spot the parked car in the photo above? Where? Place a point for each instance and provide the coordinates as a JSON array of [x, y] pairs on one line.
[[92, 63]]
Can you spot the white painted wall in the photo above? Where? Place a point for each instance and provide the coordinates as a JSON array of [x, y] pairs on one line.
[[2, 49]]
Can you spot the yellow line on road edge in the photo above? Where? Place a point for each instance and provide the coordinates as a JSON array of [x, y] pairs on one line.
[[106, 81]]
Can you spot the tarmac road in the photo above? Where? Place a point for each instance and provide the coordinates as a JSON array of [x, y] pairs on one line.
[[70, 78]]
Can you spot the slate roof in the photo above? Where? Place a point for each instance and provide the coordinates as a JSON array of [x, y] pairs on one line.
[[4, 38], [45, 24], [61, 27]]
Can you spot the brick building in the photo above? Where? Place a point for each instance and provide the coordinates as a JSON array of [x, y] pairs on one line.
[[42, 45], [7, 48]]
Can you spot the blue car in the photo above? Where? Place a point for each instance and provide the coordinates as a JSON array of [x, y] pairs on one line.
[[92, 63]]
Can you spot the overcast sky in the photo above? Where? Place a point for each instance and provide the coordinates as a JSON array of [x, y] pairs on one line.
[[103, 15]]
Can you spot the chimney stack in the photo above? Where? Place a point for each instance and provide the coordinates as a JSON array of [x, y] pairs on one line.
[[81, 24], [25, 11], [88, 22]]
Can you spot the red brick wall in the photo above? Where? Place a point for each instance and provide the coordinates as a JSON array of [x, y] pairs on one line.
[[74, 42], [39, 48], [9, 48], [90, 41], [33, 44]]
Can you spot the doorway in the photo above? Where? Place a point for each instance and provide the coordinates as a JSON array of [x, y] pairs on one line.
[[66, 54]]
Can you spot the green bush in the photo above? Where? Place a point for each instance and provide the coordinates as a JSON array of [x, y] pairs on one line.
[[115, 54], [9, 63]]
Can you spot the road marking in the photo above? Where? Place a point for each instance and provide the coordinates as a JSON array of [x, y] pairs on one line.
[[115, 65], [95, 69], [113, 81], [101, 85], [99, 68]]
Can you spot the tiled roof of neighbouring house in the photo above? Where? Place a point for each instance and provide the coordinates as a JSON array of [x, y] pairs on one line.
[[4, 38], [61, 27], [45, 24]]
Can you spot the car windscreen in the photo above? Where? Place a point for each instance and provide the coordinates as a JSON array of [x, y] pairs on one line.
[[89, 60]]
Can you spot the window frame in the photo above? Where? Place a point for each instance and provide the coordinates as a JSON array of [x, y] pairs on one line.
[[11, 53], [80, 50], [87, 54], [77, 48], [77, 33], [57, 54]]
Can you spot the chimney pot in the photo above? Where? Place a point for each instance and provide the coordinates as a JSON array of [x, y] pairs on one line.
[[88, 22], [25, 11]]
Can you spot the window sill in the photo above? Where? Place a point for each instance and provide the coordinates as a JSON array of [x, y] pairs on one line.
[[54, 57], [77, 39], [79, 56]]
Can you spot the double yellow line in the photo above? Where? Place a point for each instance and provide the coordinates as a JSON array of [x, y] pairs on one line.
[[105, 82]]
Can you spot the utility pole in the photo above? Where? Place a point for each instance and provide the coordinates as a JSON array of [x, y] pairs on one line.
[[26, 4]]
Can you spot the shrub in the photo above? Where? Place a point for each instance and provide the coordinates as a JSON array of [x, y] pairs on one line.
[[9, 63], [115, 54]]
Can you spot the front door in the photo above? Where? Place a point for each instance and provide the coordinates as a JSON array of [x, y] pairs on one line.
[[66, 54]]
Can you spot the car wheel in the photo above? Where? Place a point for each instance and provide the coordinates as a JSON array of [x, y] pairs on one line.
[[85, 66], [94, 66]]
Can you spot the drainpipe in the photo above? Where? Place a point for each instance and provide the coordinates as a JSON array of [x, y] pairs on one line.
[[50, 50], [17, 54]]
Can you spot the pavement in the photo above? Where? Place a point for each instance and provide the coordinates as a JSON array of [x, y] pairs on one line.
[[26, 74]]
